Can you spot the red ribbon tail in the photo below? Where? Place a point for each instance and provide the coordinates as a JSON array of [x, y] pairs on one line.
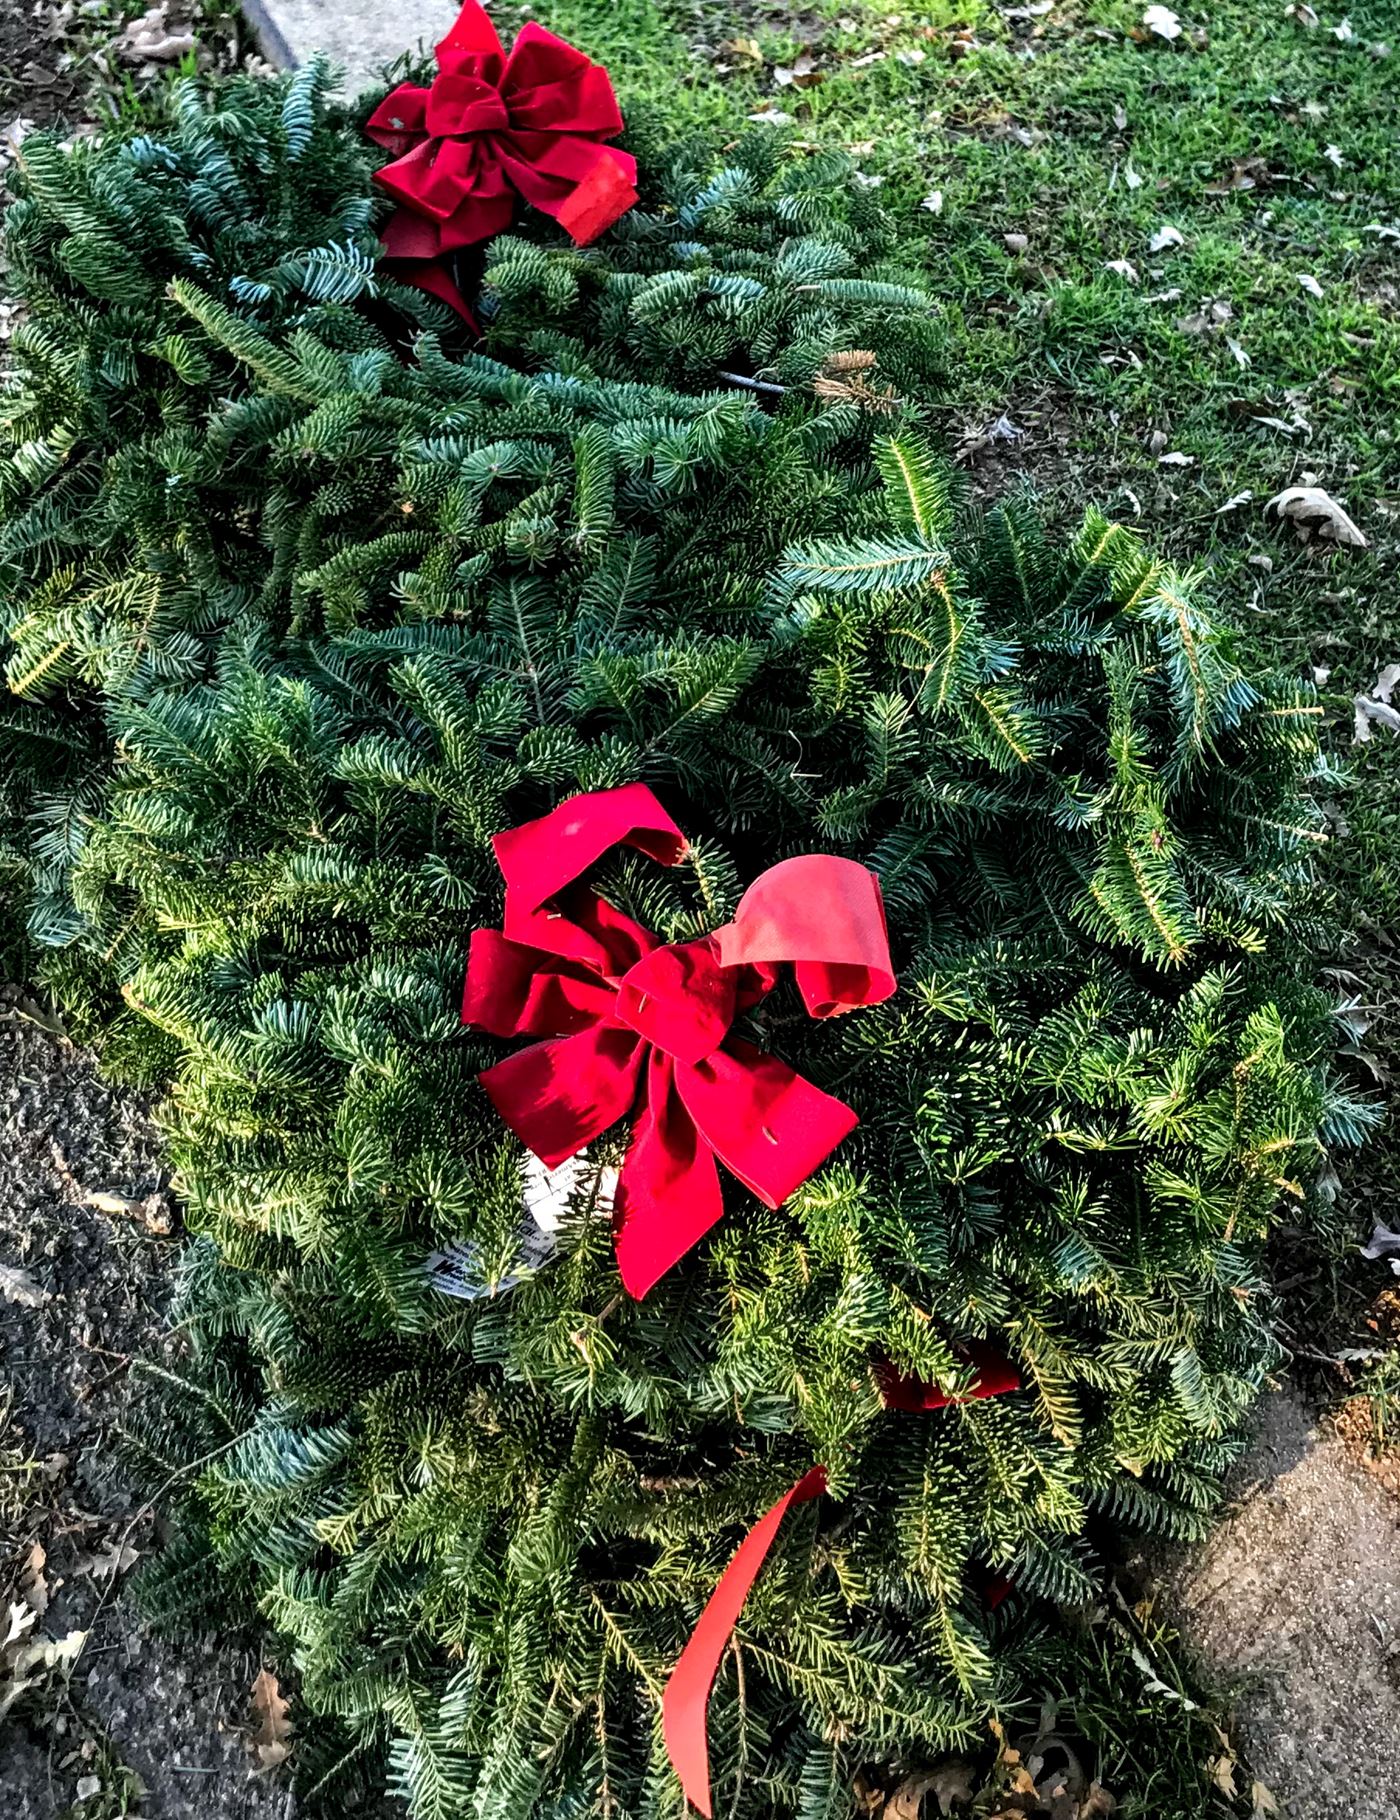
[[668, 1194], [996, 1375], [685, 1705], [432, 276], [603, 197]]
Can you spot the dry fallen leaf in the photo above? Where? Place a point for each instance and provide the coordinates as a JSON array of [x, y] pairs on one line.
[[1383, 1243], [270, 1740], [152, 1211], [1263, 1801], [1162, 21], [907, 1801], [1164, 238], [801, 74], [869, 1794], [26, 1661], [1246, 174], [1124, 268], [1376, 707], [949, 1783], [19, 1287], [149, 39], [1315, 512], [1208, 318], [33, 1586], [110, 1561], [1310, 284]]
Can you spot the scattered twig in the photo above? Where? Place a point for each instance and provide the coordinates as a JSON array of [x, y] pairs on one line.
[[755, 385]]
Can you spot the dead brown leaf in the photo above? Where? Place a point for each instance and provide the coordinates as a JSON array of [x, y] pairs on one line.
[[1246, 174], [110, 1561], [949, 1783], [869, 1794], [152, 1212], [270, 1739], [18, 1286], [151, 39], [1209, 317], [1316, 514], [802, 73], [33, 1586]]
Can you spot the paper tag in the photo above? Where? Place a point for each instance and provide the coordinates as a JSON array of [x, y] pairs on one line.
[[548, 1193]]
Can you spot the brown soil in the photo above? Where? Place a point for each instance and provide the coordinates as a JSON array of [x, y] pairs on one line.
[[90, 1298], [32, 83]]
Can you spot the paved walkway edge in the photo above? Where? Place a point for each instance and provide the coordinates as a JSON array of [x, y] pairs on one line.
[[270, 40]]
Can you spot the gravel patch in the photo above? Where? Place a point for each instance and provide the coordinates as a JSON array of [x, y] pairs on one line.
[[85, 1256]]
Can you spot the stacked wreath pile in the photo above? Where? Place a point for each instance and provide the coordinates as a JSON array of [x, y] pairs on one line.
[[637, 670]]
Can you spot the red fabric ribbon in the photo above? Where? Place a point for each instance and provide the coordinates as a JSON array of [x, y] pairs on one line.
[[493, 128], [995, 1375], [685, 1706], [627, 1019]]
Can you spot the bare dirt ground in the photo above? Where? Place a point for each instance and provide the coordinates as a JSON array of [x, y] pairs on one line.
[[1296, 1599], [119, 1721]]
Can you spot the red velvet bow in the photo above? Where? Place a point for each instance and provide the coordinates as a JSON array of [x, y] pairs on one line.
[[628, 1019], [492, 128], [686, 1703]]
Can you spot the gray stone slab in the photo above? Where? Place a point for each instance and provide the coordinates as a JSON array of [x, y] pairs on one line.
[[1295, 1600], [361, 36]]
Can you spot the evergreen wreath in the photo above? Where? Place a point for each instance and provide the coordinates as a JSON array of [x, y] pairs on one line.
[[679, 524]]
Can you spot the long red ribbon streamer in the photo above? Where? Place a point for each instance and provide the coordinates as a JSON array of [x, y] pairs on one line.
[[685, 1706]]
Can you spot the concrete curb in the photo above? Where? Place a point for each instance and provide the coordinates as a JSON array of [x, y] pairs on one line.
[[360, 36]]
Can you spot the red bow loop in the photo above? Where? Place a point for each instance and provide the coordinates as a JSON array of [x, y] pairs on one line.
[[493, 129], [625, 1016], [827, 917]]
